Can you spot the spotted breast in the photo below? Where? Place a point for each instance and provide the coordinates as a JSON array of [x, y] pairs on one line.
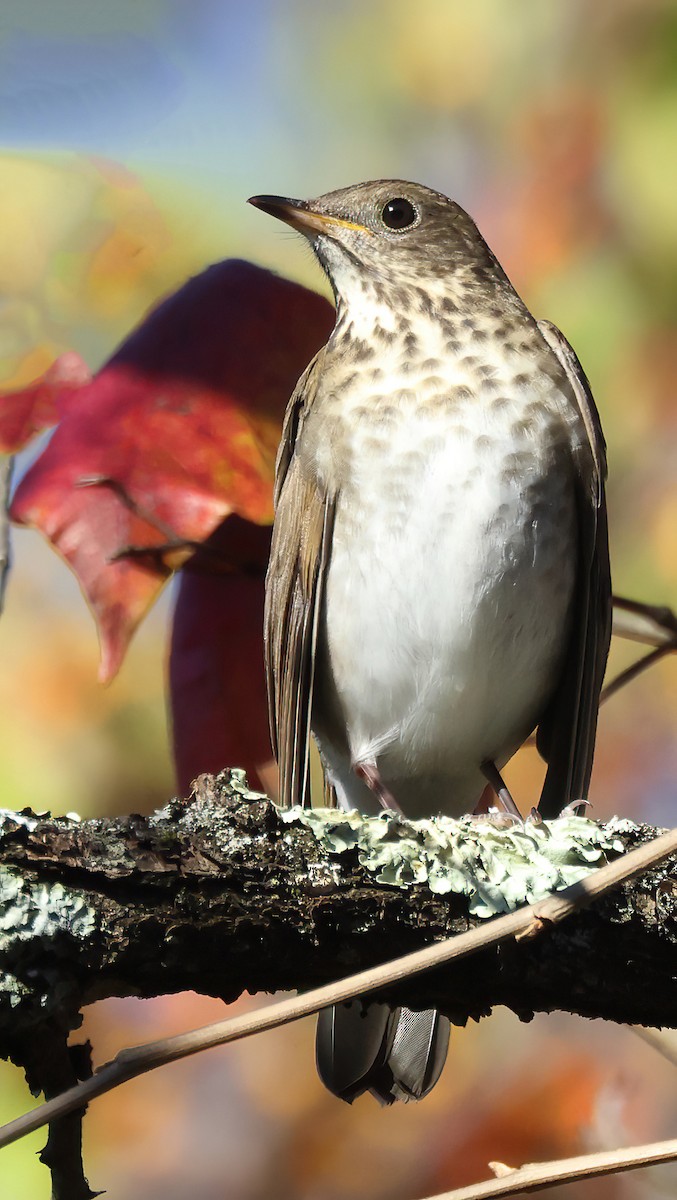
[[452, 561]]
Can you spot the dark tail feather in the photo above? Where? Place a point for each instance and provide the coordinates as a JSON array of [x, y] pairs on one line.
[[394, 1053]]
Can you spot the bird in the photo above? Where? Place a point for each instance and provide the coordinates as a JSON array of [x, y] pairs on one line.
[[439, 584]]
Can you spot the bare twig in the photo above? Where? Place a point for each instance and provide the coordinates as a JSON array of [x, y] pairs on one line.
[[535, 1177], [651, 624], [525, 923], [6, 469], [661, 1040], [635, 669]]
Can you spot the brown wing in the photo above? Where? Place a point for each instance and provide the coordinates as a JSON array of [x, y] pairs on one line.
[[294, 585], [566, 735]]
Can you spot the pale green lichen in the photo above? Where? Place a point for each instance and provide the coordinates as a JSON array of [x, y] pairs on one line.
[[237, 783], [13, 990], [32, 916], [497, 868], [28, 911]]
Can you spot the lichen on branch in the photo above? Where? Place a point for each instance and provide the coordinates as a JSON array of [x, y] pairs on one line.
[[221, 893], [496, 864]]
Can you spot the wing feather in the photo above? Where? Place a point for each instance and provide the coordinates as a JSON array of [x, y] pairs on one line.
[[294, 589], [566, 735]]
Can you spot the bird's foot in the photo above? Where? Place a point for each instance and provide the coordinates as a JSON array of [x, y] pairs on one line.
[[574, 809]]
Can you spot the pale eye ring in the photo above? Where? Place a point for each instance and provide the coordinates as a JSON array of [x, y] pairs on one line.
[[398, 213]]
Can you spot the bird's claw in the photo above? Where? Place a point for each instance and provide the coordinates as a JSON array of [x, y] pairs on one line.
[[572, 810]]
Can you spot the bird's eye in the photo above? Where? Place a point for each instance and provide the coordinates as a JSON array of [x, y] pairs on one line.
[[398, 213]]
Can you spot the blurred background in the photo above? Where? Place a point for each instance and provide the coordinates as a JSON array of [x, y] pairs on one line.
[[133, 133]]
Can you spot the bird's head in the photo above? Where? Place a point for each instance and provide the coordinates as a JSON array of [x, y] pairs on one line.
[[389, 231]]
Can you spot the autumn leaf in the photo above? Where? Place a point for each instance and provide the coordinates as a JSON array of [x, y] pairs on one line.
[[176, 432], [39, 406], [166, 457]]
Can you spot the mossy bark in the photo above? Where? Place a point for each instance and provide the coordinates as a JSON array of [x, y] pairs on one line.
[[219, 895]]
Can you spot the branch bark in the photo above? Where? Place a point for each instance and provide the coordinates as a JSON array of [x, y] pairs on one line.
[[218, 894]]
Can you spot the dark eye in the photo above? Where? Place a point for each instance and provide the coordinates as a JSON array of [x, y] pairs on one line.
[[398, 213]]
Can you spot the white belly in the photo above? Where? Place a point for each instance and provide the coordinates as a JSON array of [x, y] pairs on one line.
[[446, 604]]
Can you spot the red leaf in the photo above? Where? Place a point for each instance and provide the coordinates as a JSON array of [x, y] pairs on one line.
[[88, 534], [39, 406], [176, 432]]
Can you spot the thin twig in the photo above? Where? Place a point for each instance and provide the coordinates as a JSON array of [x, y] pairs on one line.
[[525, 923], [661, 1040], [535, 1177], [6, 469], [635, 669], [651, 624]]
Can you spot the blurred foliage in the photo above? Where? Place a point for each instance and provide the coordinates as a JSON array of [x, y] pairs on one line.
[[137, 131]]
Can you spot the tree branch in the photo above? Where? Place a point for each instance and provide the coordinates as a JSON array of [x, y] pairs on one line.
[[219, 894], [222, 892], [536, 1177], [531, 921]]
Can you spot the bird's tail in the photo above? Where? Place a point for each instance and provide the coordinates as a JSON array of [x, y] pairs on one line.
[[394, 1053]]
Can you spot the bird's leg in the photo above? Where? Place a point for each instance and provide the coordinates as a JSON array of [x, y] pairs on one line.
[[369, 772], [495, 780]]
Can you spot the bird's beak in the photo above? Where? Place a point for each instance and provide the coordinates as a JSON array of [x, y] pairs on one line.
[[300, 216]]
